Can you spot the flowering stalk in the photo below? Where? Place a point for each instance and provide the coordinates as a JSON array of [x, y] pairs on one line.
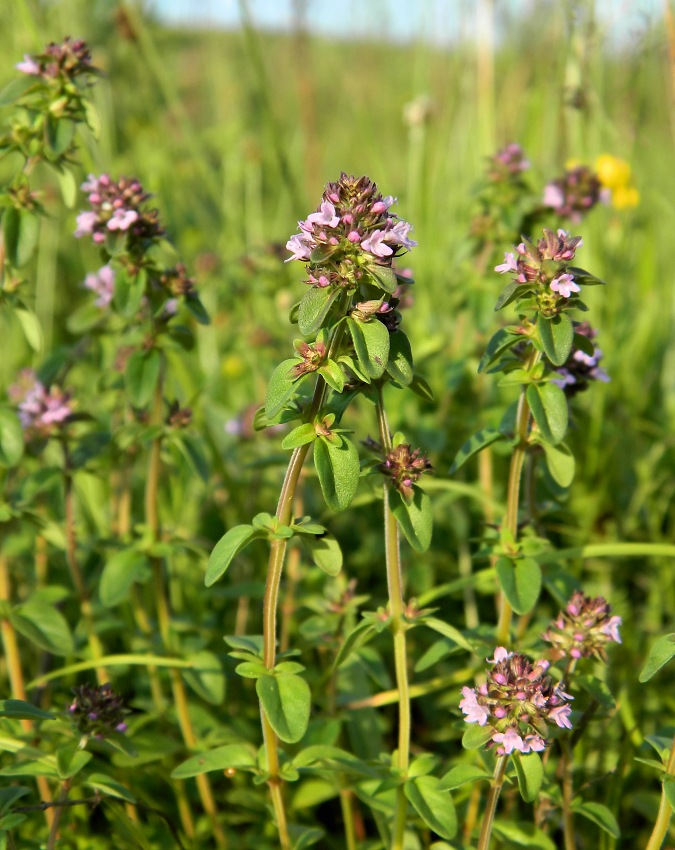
[[398, 630], [491, 804]]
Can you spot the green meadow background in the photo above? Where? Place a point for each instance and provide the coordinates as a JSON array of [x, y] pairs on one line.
[[235, 134]]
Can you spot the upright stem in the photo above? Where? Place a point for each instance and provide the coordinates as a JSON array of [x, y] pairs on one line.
[[567, 794], [491, 804], [15, 672], [398, 628], [513, 494], [271, 599], [164, 621], [76, 572], [665, 808]]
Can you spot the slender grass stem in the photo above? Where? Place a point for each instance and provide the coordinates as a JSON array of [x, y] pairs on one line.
[[398, 628], [58, 810], [665, 809], [567, 796], [15, 673], [74, 567], [164, 623], [491, 804]]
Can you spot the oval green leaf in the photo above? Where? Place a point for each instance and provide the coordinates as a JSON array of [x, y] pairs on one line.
[[521, 582], [314, 308], [557, 335], [415, 517], [229, 545], [432, 804], [141, 376], [235, 756], [280, 388], [660, 654], [119, 574], [549, 408], [337, 465], [286, 701], [530, 772]]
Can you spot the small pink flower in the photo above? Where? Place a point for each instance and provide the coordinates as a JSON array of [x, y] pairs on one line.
[[510, 263], [102, 283], [28, 66], [611, 629], [326, 216], [560, 714], [85, 223], [510, 740], [122, 219], [375, 244], [501, 654], [475, 712], [300, 246], [565, 285], [553, 197]]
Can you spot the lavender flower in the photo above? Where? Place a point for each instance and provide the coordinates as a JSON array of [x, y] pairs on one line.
[[518, 700], [102, 283], [584, 628], [118, 207], [67, 60], [351, 231], [575, 193], [405, 466], [41, 410], [543, 268], [507, 164], [581, 368], [98, 711]]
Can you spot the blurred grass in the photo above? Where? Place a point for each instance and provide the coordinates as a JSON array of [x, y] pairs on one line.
[[235, 133]]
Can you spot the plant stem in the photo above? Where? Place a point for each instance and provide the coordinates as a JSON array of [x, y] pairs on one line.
[[513, 493], [567, 795], [74, 567], [275, 567], [491, 804], [164, 620], [398, 629], [15, 672], [58, 810], [348, 818], [665, 808]]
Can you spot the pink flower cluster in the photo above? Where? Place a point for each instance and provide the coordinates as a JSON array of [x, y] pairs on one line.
[[544, 264], [404, 466], [584, 628], [352, 219], [70, 59], [41, 410], [517, 701], [102, 283], [507, 163], [117, 207], [581, 368], [575, 193]]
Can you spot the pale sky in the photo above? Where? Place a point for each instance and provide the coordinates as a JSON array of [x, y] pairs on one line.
[[438, 21]]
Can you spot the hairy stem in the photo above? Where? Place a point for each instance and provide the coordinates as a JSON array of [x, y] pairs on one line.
[[665, 809], [398, 628], [491, 804]]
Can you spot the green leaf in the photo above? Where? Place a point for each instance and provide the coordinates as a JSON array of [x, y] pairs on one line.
[[141, 376], [68, 187], [229, 545], [530, 772], [385, 278], [44, 625], [8, 796], [11, 438], [206, 677], [250, 669], [461, 775], [432, 804], [337, 466], [400, 362], [371, 344], [108, 786], [557, 335], [16, 88], [59, 134], [314, 307], [120, 572], [70, 760], [415, 517], [447, 631], [669, 790], [421, 387], [30, 327], [333, 375], [305, 836], [357, 637], [476, 736], [196, 309], [286, 701], [326, 553], [484, 438], [521, 582], [659, 655], [510, 292], [500, 342], [92, 118], [299, 436], [599, 815], [523, 834], [239, 756], [280, 388], [560, 462], [549, 408], [21, 230], [17, 709], [584, 278]]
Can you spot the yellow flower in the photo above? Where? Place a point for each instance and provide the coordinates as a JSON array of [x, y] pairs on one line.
[[612, 172], [624, 197], [233, 366]]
